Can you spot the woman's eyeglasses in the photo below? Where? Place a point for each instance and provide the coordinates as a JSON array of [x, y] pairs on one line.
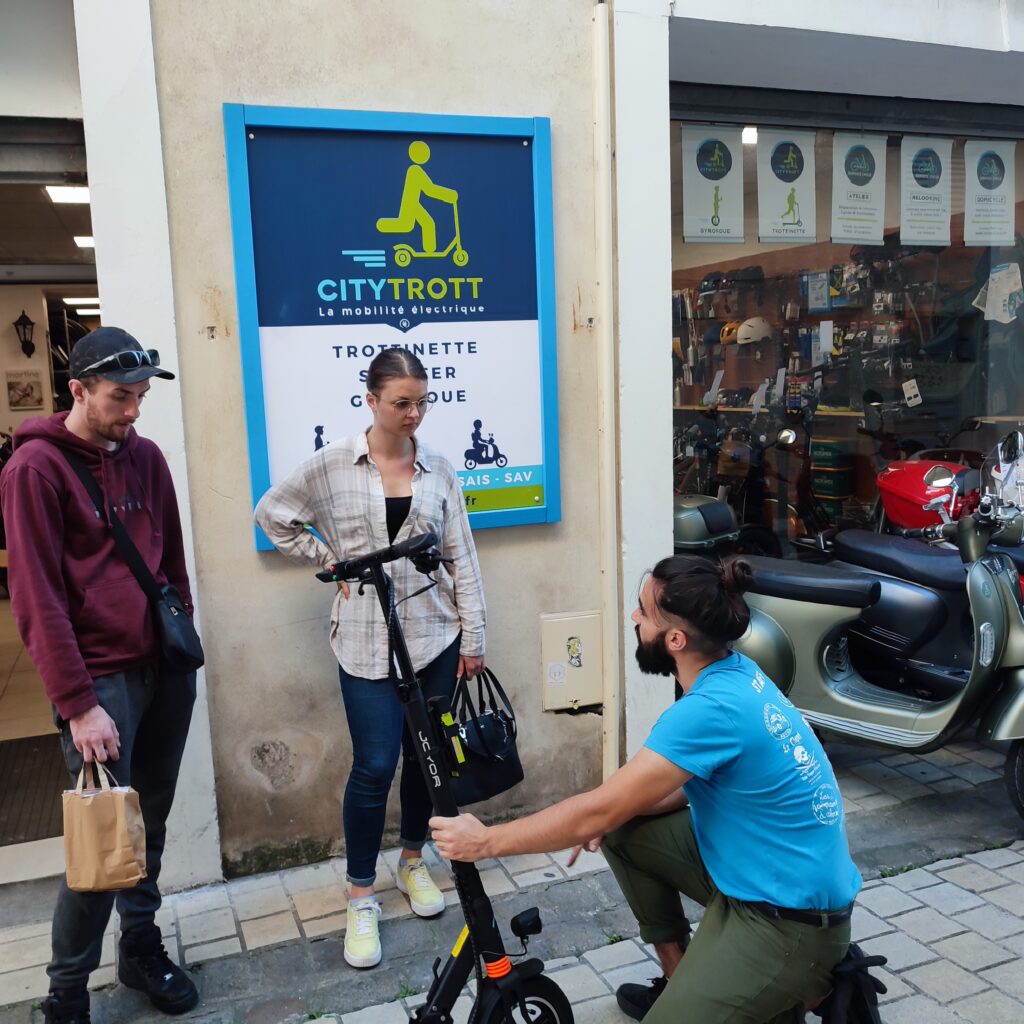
[[403, 405], [127, 360]]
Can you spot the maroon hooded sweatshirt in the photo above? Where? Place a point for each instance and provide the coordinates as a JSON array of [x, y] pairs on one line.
[[80, 611]]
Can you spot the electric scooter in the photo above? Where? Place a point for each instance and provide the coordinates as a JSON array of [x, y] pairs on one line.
[[906, 655], [405, 253], [516, 993]]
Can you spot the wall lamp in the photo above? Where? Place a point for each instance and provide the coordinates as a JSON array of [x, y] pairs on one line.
[[24, 326]]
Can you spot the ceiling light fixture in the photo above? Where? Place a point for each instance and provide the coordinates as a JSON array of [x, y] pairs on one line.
[[84, 241], [82, 300], [68, 193], [750, 135], [89, 312]]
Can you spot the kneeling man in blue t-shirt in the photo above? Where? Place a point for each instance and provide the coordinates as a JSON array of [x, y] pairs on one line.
[[731, 801]]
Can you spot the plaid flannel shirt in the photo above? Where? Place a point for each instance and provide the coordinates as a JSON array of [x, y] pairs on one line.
[[340, 494]]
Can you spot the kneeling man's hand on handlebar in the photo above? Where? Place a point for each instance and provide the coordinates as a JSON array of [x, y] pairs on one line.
[[463, 838]]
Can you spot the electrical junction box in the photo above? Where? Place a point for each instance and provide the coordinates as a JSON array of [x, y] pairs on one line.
[[572, 660]]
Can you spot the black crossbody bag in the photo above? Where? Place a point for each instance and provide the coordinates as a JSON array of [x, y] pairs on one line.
[[180, 646]]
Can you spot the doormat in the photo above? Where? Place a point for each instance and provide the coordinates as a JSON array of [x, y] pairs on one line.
[[32, 778]]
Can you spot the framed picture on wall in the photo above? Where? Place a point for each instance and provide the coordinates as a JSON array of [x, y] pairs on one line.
[[24, 390]]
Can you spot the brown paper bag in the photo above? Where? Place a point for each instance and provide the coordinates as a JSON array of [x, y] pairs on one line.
[[104, 837]]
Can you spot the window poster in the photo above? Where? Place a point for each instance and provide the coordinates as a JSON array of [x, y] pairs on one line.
[[712, 184], [24, 390], [786, 186], [358, 231], [989, 192], [926, 176], [858, 188]]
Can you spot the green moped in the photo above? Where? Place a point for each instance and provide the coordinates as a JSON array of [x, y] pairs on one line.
[[903, 661]]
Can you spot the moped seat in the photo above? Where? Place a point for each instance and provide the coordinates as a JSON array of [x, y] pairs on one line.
[[902, 557], [818, 584]]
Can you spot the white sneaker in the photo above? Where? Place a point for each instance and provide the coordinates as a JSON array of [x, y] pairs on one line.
[[413, 878], [362, 935]]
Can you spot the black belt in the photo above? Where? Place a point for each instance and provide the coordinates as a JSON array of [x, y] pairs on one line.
[[817, 918]]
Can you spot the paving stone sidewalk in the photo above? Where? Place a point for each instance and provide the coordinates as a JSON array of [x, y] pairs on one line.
[[268, 948]]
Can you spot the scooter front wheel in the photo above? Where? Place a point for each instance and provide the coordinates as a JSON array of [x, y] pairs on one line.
[[1014, 775], [461, 257], [545, 1003]]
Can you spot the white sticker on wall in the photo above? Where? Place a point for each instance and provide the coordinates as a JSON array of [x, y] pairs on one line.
[[989, 192], [785, 186], [926, 176], [858, 188], [712, 184]]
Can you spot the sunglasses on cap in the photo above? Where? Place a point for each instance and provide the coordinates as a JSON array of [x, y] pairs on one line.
[[130, 359]]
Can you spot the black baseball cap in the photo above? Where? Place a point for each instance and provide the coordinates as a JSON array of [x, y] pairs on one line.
[[113, 353]]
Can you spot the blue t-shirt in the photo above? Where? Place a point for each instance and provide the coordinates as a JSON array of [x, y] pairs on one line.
[[764, 801]]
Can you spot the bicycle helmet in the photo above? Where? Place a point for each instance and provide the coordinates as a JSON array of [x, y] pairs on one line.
[[728, 333], [753, 330]]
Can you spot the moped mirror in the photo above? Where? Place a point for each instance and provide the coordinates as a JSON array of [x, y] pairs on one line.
[[970, 424], [1011, 447], [872, 398], [787, 436], [938, 476]]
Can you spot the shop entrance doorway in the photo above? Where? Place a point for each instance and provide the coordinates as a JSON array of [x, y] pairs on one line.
[[48, 299]]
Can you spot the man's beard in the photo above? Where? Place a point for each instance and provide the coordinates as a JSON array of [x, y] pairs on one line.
[[652, 657]]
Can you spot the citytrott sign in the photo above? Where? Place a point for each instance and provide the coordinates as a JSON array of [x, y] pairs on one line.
[[355, 232]]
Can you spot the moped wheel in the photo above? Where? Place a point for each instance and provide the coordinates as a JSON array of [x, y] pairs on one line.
[[501, 462], [545, 1002], [1014, 775], [470, 464]]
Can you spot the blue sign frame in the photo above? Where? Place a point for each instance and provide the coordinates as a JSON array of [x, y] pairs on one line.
[[239, 119]]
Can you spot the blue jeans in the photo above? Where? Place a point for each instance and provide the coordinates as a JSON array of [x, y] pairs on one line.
[[377, 725]]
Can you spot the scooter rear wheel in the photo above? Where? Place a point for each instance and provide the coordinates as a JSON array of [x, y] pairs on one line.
[[545, 1002], [1014, 775]]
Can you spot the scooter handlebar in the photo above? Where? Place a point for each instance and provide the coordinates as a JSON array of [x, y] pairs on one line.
[[353, 568], [940, 531]]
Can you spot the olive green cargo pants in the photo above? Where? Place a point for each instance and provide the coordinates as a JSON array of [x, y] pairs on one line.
[[740, 967]]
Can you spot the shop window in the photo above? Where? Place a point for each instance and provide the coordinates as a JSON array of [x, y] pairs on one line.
[[895, 342]]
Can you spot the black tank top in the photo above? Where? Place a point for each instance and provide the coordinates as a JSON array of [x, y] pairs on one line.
[[397, 513]]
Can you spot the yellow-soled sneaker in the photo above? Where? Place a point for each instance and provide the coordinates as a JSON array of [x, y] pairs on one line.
[[362, 935], [414, 880]]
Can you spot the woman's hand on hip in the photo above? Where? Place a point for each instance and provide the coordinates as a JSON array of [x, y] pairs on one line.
[[343, 587], [470, 666]]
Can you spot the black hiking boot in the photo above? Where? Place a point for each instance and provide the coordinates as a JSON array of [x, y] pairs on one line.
[[66, 1006], [143, 964], [635, 1000]]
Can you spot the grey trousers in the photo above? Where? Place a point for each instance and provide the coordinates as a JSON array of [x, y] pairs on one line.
[[152, 709]]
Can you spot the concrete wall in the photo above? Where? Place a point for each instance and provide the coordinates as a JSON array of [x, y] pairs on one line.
[[38, 59], [14, 299], [279, 737]]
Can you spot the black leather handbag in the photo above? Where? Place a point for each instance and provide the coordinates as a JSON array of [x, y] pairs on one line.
[[487, 731], [180, 646]]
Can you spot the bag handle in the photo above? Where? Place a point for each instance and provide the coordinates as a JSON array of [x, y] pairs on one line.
[[100, 772], [469, 713], [129, 552], [486, 679]]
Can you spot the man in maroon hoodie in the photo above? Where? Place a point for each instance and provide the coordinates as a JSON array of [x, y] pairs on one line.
[[88, 628]]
